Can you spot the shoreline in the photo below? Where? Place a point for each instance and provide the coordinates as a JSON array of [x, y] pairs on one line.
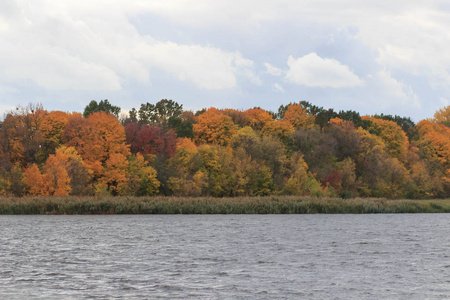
[[209, 205]]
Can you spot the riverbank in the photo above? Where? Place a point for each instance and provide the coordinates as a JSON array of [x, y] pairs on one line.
[[209, 205]]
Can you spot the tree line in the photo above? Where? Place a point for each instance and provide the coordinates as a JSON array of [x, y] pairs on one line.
[[159, 148]]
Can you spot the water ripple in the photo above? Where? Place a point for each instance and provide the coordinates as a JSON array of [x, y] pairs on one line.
[[225, 256]]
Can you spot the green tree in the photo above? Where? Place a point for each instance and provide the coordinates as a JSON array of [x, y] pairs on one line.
[[103, 105], [182, 128], [160, 112]]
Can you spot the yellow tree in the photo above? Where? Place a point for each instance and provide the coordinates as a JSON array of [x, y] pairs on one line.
[[392, 135], [300, 181], [442, 116], [114, 175], [141, 177], [52, 127], [186, 149], [280, 128], [181, 181]]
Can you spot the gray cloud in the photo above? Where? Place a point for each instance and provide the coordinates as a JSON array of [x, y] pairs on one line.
[[393, 53]]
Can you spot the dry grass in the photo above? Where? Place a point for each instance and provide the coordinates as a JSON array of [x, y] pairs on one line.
[[209, 205]]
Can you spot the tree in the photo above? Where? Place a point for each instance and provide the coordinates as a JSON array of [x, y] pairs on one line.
[[298, 117], [11, 139], [184, 167], [55, 176], [80, 175], [300, 182], [34, 181], [16, 183], [182, 128], [422, 184], [392, 135], [20, 136], [114, 175], [150, 139], [247, 139], [52, 127], [160, 112], [384, 175], [141, 177], [347, 138], [104, 106], [433, 141], [407, 125], [131, 118], [343, 179], [319, 149], [96, 139], [442, 116], [352, 116], [257, 118], [281, 129], [323, 117], [213, 127]]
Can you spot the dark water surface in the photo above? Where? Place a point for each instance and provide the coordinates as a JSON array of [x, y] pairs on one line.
[[225, 257]]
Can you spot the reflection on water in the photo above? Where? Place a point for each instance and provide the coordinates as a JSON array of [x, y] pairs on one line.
[[225, 256]]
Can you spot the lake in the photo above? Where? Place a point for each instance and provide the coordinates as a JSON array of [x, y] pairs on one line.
[[385, 256]]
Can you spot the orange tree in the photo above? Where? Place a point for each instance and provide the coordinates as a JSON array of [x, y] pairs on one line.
[[213, 127], [257, 118], [100, 140], [298, 117]]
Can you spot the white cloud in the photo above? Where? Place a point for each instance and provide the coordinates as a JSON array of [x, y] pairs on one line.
[[98, 47], [314, 71], [278, 87], [394, 92], [208, 67], [414, 41], [444, 101], [273, 70], [92, 46], [405, 35]]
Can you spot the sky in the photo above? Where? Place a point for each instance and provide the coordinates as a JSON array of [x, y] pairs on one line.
[[373, 57]]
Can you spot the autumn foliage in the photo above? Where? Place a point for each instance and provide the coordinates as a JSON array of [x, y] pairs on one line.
[[161, 149]]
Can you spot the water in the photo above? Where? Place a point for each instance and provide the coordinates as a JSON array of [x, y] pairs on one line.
[[225, 257]]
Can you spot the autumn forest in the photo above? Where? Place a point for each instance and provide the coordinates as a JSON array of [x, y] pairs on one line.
[[161, 149]]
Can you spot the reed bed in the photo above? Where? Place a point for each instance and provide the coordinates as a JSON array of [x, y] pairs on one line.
[[210, 205]]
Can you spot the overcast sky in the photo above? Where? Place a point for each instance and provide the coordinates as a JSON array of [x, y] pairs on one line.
[[389, 57]]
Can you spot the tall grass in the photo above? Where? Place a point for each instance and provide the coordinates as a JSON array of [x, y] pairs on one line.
[[209, 205]]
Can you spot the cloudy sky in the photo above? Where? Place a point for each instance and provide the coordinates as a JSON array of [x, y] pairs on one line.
[[375, 56]]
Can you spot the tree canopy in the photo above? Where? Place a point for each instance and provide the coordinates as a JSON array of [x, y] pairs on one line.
[[162, 149]]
